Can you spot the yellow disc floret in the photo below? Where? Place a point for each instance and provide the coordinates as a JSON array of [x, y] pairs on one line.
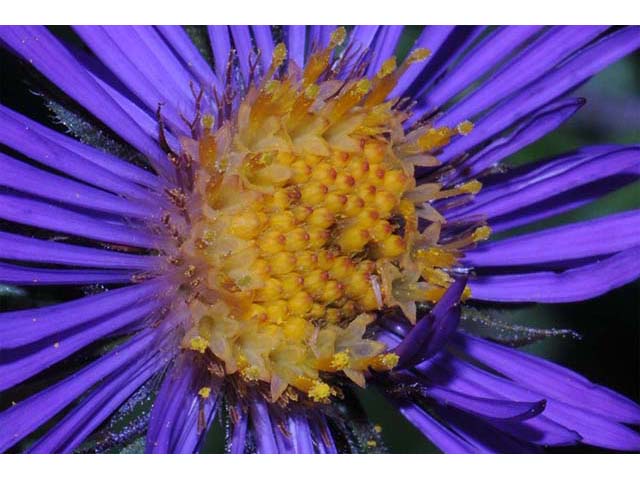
[[307, 224]]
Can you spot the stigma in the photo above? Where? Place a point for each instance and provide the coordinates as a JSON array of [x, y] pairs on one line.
[[306, 224]]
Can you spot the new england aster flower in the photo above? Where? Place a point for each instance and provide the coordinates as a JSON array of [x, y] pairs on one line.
[[307, 218]]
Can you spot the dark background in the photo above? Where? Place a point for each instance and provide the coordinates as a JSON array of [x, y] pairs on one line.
[[608, 352]]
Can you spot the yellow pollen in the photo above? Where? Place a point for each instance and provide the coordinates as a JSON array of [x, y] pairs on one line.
[[418, 55], [338, 36], [473, 186], [464, 128], [377, 428], [388, 361], [306, 225], [387, 68], [204, 392], [319, 391], [198, 344], [251, 373], [340, 360], [208, 121], [279, 55], [481, 233]]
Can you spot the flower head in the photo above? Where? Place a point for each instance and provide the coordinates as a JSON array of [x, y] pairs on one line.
[[310, 223]]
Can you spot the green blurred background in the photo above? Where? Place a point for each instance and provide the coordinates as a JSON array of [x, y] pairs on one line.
[[608, 352]]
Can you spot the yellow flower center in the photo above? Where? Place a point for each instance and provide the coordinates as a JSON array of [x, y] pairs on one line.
[[307, 223]]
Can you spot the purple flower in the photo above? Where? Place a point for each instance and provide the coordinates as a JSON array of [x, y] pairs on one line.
[[302, 217]]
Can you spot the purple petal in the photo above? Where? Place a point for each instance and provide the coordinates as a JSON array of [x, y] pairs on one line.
[[432, 331], [362, 36], [45, 215], [74, 428], [446, 54], [558, 81], [221, 47], [565, 202], [358, 47], [551, 380], [239, 436], [572, 285], [301, 434], [298, 439], [264, 42], [296, 36], [319, 36], [73, 158], [23, 327], [443, 438], [322, 435], [432, 37], [47, 54], [124, 50], [242, 43], [594, 429], [178, 39], [486, 407], [497, 46], [528, 186], [535, 60], [261, 427], [174, 426], [545, 121], [577, 240], [482, 435], [17, 247], [456, 375], [16, 275], [19, 364], [25, 178], [384, 47], [24, 417]]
